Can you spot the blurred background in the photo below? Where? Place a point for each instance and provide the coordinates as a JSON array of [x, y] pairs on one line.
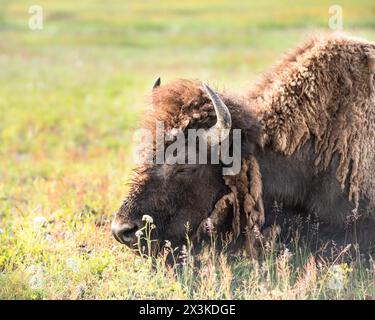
[[72, 93]]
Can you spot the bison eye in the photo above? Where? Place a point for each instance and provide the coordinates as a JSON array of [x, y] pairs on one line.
[[186, 170]]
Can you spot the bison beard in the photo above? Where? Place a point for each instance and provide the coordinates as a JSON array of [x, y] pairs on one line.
[[239, 215]]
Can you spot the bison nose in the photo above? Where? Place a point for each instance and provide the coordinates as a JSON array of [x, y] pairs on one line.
[[125, 233]]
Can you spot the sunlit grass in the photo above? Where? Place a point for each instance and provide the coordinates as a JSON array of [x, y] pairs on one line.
[[71, 96]]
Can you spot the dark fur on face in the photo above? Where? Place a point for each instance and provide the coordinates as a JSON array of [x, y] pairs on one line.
[[181, 194]]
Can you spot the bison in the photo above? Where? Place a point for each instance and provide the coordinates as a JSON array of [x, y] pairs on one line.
[[307, 143]]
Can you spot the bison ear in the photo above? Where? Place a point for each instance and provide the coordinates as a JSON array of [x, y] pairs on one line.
[[154, 88], [156, 84]]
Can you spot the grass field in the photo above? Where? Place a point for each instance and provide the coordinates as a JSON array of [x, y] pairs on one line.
[[71, 96]]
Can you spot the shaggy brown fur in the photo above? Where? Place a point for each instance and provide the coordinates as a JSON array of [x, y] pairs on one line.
[[244, 206], [242, 210], [183, 105], [321, 95], [325, 91], [248, 209]]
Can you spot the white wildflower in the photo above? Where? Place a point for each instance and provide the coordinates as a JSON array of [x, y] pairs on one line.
[[72, 264], [147, 218], [36, 282], [183, 255], [335, 282], [1, 231], [33, 269], [35, 277], [287, 254], [209, 226], [138, 262], [168, 244], [139, 234], [80, 290], [337, 277], [40, 221]]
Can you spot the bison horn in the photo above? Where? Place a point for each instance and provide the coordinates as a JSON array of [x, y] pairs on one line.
[[224, 119], [156, 84]]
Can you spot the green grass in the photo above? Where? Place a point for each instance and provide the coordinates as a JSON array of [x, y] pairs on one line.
[[71, 96]]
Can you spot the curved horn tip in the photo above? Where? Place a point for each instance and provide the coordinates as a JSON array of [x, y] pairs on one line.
[[207, 88], [156, 83], [221, 109], [224, 119]]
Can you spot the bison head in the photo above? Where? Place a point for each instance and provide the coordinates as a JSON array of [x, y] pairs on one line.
[[187, 198]]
